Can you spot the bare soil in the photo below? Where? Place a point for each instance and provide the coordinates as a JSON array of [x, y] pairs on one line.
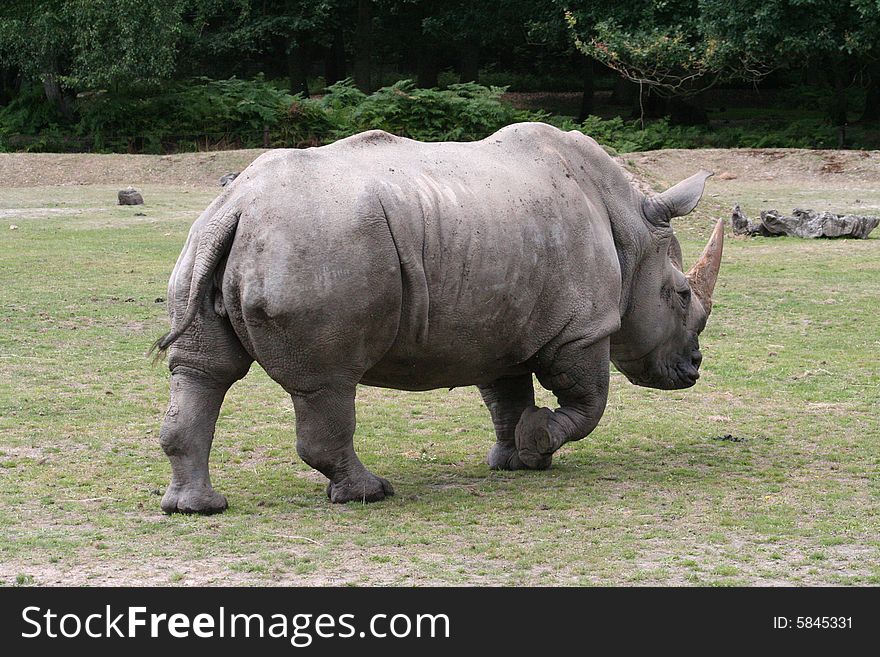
[[204, 169], [188, 169]]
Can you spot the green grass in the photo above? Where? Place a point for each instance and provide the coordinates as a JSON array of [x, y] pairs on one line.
[[651, 497]]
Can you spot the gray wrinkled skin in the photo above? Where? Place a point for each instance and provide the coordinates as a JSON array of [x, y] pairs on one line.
[[393, 263]]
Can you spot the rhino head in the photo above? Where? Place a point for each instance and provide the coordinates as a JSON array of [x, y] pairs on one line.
[[657, 345]]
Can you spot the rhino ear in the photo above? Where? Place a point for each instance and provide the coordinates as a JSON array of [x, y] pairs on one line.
[[676, 201]]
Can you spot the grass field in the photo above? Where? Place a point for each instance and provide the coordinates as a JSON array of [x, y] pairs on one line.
[[653, 496]]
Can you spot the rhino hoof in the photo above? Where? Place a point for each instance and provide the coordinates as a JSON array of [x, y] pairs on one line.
[[503, 456], [534, 443], [365, 488], [193, 500]]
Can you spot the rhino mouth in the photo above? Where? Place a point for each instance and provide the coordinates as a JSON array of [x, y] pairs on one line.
[[650, 372], [687, 371], [688, 375]]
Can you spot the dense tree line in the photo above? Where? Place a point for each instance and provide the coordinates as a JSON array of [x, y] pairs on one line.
[[668, 50]]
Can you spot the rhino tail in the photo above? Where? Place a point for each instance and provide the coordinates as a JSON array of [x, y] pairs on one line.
[[213, 244]]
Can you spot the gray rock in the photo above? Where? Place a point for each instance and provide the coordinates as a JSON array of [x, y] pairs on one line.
[[804, 223], [742, 226], [228, 178], [130, 196]]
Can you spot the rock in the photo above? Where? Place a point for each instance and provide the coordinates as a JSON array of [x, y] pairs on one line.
[[130, 196], [228, 178], [727, 175], [729, 438], [743, 226], [804, 223], [13, 227]]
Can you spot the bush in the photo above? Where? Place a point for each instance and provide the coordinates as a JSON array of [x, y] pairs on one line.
[[204, 113], [305, 123], [29, 113], [232, 110], [629, 136], [462, 112]]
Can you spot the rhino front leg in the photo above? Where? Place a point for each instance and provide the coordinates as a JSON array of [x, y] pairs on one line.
[[578, 374], [506, 400], [325, 423]]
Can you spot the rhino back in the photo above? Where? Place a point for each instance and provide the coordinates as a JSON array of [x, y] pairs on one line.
[[481, 253]]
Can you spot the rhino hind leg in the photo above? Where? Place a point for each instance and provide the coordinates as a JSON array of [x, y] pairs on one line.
[[204, 362], [186, 436], [325, 423], [577, 374], [506, 400]]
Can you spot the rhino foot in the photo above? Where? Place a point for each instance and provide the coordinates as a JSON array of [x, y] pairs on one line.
[[504, 456], [204, 500], [534, 442], [365, 487]]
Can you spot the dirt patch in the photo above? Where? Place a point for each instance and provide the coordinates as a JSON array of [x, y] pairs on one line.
[[204, 169], [745, 165], [650, 170], [184, 169], [45, 212]]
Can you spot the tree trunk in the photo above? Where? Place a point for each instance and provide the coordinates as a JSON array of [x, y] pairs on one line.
[[428, 73], [871, 113], [363, 46], [651, 105], [334, 59], [469, 61], [297, 70], [688, 111], [839, 106], [7, 80], [587, 96], [55, 95]]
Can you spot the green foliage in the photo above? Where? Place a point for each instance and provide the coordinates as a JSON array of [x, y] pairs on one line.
[[90, 43], [659, 43], [247, 113], [304, 123], [33, 35], [28, 113], [204, 113], [29, 123], [677, 45], [629, 136], [230, 110], [462, 112], [119, 40]]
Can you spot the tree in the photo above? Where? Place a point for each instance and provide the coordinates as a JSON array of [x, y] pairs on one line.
[[265, 30], [363, 46], [85, 44], [649, 42], [839, 37], [546, 26], [679, 47], [35, 39]]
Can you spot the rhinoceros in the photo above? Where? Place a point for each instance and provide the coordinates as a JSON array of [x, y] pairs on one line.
[[383, 261]]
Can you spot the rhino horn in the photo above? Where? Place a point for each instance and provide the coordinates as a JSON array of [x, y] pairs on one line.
[[676, 201], [703, 275]]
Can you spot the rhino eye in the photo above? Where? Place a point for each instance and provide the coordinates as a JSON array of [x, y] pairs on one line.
[[684, 297]]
